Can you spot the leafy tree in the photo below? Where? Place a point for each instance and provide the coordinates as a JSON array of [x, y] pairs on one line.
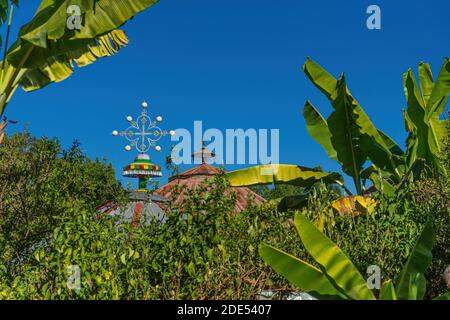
[[40, 184]]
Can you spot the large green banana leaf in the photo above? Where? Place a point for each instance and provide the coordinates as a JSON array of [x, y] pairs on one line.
[[417, 265], [318, 129], [416, 120], [335, 264], [391, 144], [299, 273], [440, 92], [345, 134], [280, 173]]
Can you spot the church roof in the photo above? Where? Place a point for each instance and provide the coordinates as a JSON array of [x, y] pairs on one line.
[[202, 170], [194, 177]]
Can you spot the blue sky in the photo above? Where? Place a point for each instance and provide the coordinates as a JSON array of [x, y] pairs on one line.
[[237, 64]]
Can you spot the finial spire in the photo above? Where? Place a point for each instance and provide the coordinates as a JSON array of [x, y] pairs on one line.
[[204, 154], [143, 134]]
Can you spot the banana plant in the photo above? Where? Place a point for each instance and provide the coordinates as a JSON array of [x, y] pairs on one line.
[[425, 107], [336, 277], [47, 50], [358, 140], [349, 137]]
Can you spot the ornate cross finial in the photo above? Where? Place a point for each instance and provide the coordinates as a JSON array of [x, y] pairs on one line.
[[143, 133]]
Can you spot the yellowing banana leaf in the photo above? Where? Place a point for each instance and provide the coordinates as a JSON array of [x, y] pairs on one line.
[[318, 129], [47, 49], [417, 263], [387, 291], [299, 273], [58, 68], [354, 205], [280, 173], [335, 264], [47, 33]]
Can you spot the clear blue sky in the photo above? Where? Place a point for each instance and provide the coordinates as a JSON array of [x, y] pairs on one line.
[[237, 64]]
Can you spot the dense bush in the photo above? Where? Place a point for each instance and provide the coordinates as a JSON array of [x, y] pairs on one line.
[[387, 236], [202, 251], [40, 185]]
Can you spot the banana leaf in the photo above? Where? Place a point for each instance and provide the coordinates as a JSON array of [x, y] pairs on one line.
[[354, 205], [417, 265], [47, 35], [445, 296], [59, 68], [293, 202], [280, 173], [345, 134], [387, 291], [335, 264], [299, 273], [318, 129]]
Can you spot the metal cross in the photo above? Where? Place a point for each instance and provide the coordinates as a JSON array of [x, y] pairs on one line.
[[143, 133]]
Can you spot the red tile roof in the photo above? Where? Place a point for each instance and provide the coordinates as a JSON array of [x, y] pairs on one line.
[[193, 178]]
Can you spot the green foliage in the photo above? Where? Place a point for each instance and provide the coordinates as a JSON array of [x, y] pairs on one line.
[[426, 104], [358, 140], [348, 135], [190, 256], [387, 236], [41, 185], [204, 250], [338, 277]]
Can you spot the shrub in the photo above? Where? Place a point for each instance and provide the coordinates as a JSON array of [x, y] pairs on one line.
[[41, 184]]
